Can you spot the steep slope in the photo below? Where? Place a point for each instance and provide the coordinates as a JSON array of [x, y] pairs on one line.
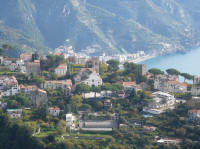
[[18, 27], [163, 26]]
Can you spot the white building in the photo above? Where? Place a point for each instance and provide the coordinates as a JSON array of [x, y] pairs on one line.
[[7, 62], [169, 141], [106, 94], [14, 113], [88, 76], [61, 70], [1, 60], [54, 111], [12, 67], [70, 120], [129, 86], [160, 102], [22, 69], [91, 95], [93, 79], [195, 91], [19, 62]]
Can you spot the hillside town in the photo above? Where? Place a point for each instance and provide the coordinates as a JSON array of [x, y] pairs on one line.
[[76, 94]]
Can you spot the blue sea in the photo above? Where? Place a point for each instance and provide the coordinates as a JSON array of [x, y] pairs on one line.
[[189, 62]]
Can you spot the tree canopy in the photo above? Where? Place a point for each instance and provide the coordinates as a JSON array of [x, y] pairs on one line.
[[82, 88], [187, 76], [156, 71], [113, 65], [51, 62], [172, 71]]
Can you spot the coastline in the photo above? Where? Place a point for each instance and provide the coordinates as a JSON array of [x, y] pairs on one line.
[[142, 59]]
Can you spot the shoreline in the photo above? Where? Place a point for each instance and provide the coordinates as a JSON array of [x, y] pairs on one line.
[[142, 59]]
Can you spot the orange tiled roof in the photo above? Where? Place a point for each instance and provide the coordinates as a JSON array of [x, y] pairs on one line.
[[128, 83], [195, 111], [54, 108], [28, 86], [177, 83], [67, 82], [61, 66]]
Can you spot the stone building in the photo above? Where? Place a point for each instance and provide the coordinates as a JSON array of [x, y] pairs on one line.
[[33, 67], [94, 62], [142, 69], [38, 98]]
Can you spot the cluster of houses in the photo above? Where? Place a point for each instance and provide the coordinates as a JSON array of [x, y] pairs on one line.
[[8, 86], [160, 102], [169, 83], [161, 99]]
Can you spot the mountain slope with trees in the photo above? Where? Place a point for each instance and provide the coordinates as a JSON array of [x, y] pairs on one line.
[[164, 26]]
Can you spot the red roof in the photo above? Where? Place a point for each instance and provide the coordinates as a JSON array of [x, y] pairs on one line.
[[128, 83], [107, 101], [28, 86], [66, 82], [61, 66], [194, 111], [177, 83], [54, 108]]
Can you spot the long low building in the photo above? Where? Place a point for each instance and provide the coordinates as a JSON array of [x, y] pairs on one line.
[[97, 125]]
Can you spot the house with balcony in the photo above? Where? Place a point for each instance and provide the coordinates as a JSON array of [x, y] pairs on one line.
[[14, 113], [194, 115], [161, 101], [54, 111], [61, 70]]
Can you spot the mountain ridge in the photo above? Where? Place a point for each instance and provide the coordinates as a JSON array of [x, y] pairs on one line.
[[115, 26]]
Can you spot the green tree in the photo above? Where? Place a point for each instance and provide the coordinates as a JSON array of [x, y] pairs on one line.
[[22, 99], [51, 62], [98, 105], [86, 107], [187, 76], [113, 65], [117, 87], [82, 88], [37, 80], [172, 71], [76, 102], [35, 56], [156, 71], [16, 135], [103, 68], [61, 127], [13, 104], [7, 46], [39, 113]]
